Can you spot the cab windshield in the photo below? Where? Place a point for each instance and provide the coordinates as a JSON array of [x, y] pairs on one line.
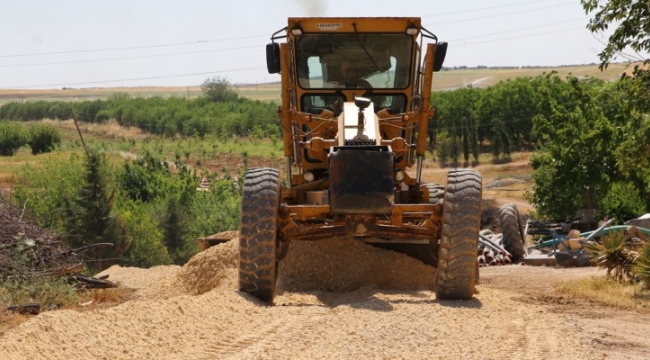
[[378, 61]]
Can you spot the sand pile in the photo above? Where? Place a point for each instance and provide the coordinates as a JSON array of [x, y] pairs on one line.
[[346, 264], [210, 269], [339, 265], [207, 270], [332, 304]]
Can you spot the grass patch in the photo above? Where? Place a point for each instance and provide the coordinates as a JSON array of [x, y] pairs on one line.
[[51, 293], [121, 142], [606, 291], [54, 294]]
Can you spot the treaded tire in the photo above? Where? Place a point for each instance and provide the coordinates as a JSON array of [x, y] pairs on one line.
[[258, 261], [436, 193], [458, 263], [513, 239]]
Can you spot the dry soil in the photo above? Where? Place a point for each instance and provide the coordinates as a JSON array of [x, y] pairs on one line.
[[338, 299]]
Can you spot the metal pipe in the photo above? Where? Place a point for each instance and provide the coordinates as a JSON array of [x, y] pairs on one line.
[[418, 174], [599, 229], [526, 229], [485, 241], [288, 172]]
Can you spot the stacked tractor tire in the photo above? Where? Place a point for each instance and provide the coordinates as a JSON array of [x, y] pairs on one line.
[[506, 247]]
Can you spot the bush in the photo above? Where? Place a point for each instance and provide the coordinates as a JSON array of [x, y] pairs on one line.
[[61, 111], [44, 138], [613, 255], [642, 266], [218, 89], [87, 111], [103, 116], [623, 202], [145, 248], [49, 292], [12, 138]]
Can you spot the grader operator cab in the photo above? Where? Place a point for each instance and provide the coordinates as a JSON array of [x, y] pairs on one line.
[[354, 114]]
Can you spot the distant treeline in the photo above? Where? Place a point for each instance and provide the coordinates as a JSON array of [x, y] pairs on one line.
[[161, 116], [590, 139], [498, 119], [483, 67], [586, 133]]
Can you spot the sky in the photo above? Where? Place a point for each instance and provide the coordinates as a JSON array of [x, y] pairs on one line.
[[122, 43]]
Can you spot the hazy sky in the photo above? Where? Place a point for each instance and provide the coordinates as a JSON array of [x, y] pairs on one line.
[[109, 43]]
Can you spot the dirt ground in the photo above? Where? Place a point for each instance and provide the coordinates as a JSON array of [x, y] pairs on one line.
[[338, 299]]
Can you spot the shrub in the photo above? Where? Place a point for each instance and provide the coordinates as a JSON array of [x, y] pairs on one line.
[[49, 292], [623, 202], [642, 266], [44, 138], [218, 89], [103, 116], [613, 255], [61, 110], [12, 138]]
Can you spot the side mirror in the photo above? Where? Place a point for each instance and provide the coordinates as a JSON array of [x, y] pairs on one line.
[[273, 58], [439, 57]]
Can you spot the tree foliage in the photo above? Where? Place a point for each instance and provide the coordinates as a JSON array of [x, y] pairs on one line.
[[630, 21], [12, 138], [575, 164], [627, 102], [43, 138], [218, 89], [456, 119], [91, 201], [89, 216], [230, 116]]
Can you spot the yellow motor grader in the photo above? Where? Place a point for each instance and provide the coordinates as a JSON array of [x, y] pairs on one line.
[[354, 114]]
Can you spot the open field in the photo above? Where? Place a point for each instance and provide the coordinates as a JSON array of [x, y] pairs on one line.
[[444, 80], [502, 183]]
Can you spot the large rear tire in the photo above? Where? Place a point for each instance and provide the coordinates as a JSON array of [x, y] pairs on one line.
[[258, 263], [436, 193], [458, 264], [513, 239]]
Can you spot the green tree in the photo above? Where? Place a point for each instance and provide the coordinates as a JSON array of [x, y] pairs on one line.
[[456, 116], [576, 163], [505, 114], [623, 202], [628, 100], [90, 219], [218, 89], [173, 230], [631, 26], [140, 220]]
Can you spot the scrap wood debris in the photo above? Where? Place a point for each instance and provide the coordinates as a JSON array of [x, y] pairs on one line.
[[28, 252]]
